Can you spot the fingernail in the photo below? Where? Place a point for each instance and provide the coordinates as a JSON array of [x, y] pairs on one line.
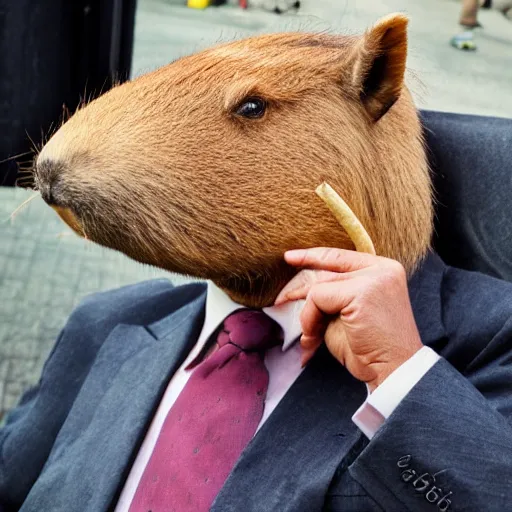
[[305, 341], [295, 253]]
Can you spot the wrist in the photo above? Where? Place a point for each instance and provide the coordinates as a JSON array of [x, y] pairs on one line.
[[383, 370]]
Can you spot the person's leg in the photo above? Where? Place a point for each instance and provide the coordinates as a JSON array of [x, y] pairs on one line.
[[469, 13], [468, 20]]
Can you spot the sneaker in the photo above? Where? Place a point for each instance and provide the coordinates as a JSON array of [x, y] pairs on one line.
[[463, 41]]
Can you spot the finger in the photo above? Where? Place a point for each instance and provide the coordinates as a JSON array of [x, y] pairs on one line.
[[300, 289], [300, 285], [307, 355], [325, 300], [309, 342], [335, 338], [313, 322], [331, 259], [309, 347], [332, 298]]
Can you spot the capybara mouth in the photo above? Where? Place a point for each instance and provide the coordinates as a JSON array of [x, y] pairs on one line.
[[69, 217]]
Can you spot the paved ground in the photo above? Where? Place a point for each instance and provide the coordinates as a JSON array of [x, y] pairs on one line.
[[45, 270]]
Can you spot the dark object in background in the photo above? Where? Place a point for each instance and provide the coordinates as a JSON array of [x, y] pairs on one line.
[[295, 5], [55, 53]]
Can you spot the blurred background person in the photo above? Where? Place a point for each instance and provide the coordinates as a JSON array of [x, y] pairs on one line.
[[469, 20]]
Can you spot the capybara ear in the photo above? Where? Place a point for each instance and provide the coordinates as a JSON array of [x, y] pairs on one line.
[[379, 64]]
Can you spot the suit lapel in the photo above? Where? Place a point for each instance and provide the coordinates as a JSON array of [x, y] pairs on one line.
[[289, 464], [107, 423]]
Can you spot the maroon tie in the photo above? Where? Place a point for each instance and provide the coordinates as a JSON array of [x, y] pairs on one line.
[[212, 420]]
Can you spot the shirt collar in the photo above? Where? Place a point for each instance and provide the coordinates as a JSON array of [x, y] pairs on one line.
[[219, 305]]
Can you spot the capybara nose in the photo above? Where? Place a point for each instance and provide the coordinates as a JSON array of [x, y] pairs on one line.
[[47, 178]]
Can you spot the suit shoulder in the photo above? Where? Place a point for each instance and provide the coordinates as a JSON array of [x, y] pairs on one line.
[[138, 292], [141, 303], [477, 315], [98, 314], [483, 297]]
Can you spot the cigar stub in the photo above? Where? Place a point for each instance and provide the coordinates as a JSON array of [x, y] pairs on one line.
[[347, 218]]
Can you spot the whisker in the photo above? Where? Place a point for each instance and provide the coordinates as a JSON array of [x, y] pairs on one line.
[[16, 156], [49, 133], [22, 205], [27, 185], [83, 229], [37, 148], [63, 234], [24, 179], [66, 114], [34, 145], [26, 176]]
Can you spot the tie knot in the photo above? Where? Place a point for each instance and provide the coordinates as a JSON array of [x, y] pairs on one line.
[[250, 330]]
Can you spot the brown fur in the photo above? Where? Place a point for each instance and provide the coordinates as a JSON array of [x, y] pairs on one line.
[[162, 169]]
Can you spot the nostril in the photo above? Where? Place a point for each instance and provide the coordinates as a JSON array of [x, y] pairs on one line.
[[45, 189]]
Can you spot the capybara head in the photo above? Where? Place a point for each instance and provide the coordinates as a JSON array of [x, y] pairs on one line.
[[208, 166]]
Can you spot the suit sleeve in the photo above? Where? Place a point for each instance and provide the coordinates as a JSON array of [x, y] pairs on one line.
[[380, 404], [448, 444]]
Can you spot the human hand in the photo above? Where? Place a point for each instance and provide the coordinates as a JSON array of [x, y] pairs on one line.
[[359, 304]]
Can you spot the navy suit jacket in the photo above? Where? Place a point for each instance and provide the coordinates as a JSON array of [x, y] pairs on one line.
[[70, 444]]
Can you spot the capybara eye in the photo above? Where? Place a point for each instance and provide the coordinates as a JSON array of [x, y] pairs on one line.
[[252, 108]]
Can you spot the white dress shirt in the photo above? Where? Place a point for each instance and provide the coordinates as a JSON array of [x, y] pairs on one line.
[[284, 366]]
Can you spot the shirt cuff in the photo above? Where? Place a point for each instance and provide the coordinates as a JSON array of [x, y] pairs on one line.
[[380, 404]]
